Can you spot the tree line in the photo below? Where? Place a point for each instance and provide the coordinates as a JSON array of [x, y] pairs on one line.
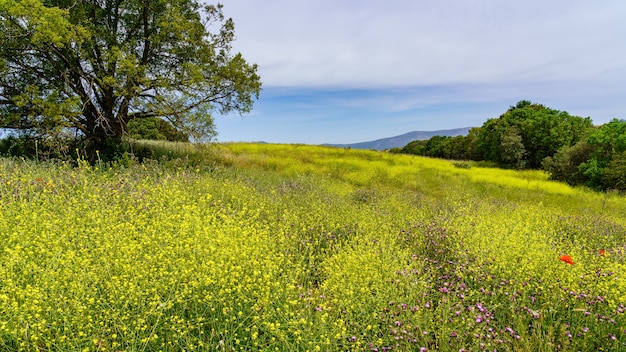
[[532, 136]]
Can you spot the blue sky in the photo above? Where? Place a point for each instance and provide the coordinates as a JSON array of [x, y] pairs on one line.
[[347, 71]]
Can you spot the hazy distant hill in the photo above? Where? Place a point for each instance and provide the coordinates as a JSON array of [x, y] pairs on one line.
[[404, 139]]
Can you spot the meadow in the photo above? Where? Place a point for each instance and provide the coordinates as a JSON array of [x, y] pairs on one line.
[[303, 248]]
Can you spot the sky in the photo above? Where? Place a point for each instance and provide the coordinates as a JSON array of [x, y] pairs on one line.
[[347, 71]]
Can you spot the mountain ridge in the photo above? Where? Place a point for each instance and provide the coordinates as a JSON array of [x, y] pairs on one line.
[[400, 141]]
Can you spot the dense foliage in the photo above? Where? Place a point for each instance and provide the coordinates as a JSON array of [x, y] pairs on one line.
[[154, 128], [596, 161], [527, 133], [88, 68], [300, 248], [532, 136]]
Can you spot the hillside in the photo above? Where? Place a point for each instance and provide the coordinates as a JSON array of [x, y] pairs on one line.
[[403, 139]]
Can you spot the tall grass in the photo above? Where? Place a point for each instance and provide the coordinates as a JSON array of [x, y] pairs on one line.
[[293, 247]]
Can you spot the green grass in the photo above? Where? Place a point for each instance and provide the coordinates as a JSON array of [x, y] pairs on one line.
[[296, 248]]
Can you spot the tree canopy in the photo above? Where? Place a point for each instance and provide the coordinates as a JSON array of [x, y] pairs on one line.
[[532, 136], [527, 133], [88, 67], [597, 161]]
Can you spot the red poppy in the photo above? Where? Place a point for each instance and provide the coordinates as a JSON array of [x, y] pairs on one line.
[[567, 259], [602, 252]]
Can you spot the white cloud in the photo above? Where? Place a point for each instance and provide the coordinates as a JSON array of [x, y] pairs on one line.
[[426, 42], [361, 70]]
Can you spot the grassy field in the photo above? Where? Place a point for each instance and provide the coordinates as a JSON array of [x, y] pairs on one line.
[[303, 248]]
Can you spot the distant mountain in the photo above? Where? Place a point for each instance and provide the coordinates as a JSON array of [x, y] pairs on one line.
[[403, 139]]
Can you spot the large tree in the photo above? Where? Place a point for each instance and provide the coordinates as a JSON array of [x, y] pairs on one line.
[[527, 133], [91, 66]]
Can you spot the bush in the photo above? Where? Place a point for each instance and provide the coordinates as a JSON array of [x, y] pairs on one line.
[[34, 147], [564, 166], [614, 176], [155, 129]]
